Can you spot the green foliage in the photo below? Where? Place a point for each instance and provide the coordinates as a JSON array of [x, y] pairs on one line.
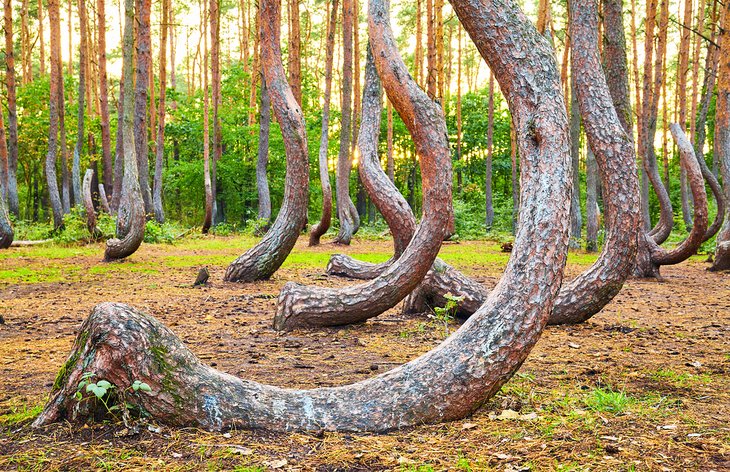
[[607, 400]]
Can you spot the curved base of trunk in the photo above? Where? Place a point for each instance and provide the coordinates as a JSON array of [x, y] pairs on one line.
[[343, 265], [441, 281], [722, 257], [6, 233], [131, 224]]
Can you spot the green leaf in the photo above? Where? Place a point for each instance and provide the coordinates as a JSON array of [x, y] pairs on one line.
[[104, 384], [144, 387]]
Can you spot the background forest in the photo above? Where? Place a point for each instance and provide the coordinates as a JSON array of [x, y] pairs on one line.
[[213, 51]]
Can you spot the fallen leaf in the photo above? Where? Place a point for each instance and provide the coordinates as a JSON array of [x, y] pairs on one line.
[[277, 464], [468, 426], [574, 346], [240, 450], [508, 415]]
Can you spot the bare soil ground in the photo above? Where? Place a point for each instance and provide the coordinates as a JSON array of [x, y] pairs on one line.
[[644, 385]]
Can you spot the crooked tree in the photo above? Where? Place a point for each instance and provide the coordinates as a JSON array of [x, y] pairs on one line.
[[447, 383]]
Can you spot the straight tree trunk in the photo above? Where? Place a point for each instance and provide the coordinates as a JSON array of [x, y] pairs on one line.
[[418, 53], [321, 228], [215, 21], [6, 229], [209, 198], [682, 72], [592, 210], [346, 211], [722, 137], [12, 179], [576, 220], [65, 174], [294, 64], [41, 39], [119, 150], [83, 50], [106, 152], [142, 85], [262, 182], [131, 213], [489, 220], [89, 204], [262, 260], [432, 72], [160, 144], [458, 117], [515, 178], [390, 162], [53, 107]]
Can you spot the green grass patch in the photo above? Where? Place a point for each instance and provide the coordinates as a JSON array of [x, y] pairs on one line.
[[680, 379], [20, 414], [608, 401]]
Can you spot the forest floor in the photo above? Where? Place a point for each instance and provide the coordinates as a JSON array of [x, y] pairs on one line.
[[645, 385]]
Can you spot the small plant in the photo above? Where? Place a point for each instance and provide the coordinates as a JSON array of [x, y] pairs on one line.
[[102, 391], [608, 400], [445, 314]]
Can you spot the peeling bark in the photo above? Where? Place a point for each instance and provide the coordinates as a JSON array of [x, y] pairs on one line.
[[262, 260], [301, 306], [120, 344], [131, 212]]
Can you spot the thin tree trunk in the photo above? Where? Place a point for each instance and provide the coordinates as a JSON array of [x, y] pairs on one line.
[[12, 179], [321, 228], [53, 112], [592, 210], [294, 64], [722, 138], [106, 152], [489, 220], [119, 150], [346, 211], [459, 118], [41, 39], [262, 182], [89, 204], [160, 144], [65, 174], [576, 220], [209, 199], [6, 229], [142, 85], [215, 21], [255, 69], [682, 71], [515, 177], [131, 213], [418, 53], [83, 50], [432, 72], [390, 162], [262, 260]]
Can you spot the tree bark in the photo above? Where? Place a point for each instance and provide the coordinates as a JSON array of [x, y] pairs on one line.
[[301, 306], [89, 204], [130, 213], [592, 210], [390, 162], [215, 22], [6, 229], [208, 182], [160, 144], [261, 261], [107, 170], [576, 219], [53, 107], [319, 229], [489, 218], [722, 138], [346, 211], [262, 182], [142, 84], [79, 198], [119, 150], [104, 200], [12, 179], [66, 188], [120, 344], [294, 63]]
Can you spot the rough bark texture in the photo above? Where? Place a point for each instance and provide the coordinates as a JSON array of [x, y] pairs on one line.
[[262, 162], [592, 210], [89, 203], [104, 200], [489, 208], [722, 138], [215, 58], [12, 182], [160, 143], [346, 211], [576, 220], [319, 229], [142, 84], [51, 157], [119, 151], [106, 151], [131, 212], [301, 306], [207, 179], [120, 344], [262, 260]]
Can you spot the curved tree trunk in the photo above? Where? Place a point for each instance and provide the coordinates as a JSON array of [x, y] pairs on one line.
[[79, 198], [262, 260], [53, 113], [300, 305], [591, 291], [262, 182], [319, 229], [12, 183], [120, 344], [160, 144], [131, 212], [346, 211], [89, 204], [717, 192], [104, 200], [650, 256]]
